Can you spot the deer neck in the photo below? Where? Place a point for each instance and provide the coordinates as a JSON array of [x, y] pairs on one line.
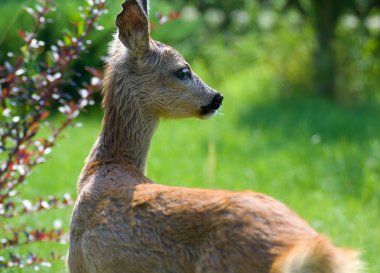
[[126, 135]]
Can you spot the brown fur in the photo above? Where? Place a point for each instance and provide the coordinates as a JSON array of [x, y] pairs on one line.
[[124, 223]]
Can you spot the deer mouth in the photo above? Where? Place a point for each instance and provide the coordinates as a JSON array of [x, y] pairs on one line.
[[211, 108]]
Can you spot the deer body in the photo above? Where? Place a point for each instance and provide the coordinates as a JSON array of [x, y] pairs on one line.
[[125, 223], [137, 226]]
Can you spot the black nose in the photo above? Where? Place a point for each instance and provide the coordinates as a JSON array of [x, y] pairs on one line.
[[216, 101], [213, 105]]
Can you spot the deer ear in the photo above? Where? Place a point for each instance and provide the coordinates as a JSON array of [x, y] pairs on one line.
[[133, 25], [145, 5]]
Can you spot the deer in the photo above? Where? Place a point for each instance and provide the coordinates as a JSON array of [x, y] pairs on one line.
[[123, 222]]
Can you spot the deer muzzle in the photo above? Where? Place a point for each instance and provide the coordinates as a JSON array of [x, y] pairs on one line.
[[213, 106]]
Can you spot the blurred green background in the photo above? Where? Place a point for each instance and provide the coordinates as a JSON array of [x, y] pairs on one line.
[[300, 119]]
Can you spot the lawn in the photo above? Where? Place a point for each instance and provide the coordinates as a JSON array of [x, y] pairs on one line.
[[320, 159]]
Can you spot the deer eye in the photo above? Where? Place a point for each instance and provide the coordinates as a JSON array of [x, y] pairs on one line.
[[183, 74]]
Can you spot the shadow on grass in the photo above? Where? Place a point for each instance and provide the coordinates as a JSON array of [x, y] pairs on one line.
[[297, 117], [347, 162]]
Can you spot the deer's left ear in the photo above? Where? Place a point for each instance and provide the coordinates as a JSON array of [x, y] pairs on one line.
[[133, 26], [145, 5]]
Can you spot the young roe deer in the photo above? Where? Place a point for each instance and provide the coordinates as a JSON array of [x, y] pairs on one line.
[[125, 223]]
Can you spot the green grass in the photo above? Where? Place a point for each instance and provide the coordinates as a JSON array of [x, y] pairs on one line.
[[320, 159]]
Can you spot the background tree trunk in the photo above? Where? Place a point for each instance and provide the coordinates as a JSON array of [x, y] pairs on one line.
[[326, 15]]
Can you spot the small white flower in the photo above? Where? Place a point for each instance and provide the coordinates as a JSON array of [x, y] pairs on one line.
[[57, 224], [83, 92], [45, 205], [6, 112], [74, 114], [12, 193], [67, 196], [27, 204], [95, 81], [20, 72], [52, 78], [45, 264], [40, 160]]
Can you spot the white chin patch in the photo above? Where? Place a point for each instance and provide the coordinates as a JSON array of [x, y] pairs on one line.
[[209, 115]]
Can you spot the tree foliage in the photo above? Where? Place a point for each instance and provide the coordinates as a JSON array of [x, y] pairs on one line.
[[324, 15]]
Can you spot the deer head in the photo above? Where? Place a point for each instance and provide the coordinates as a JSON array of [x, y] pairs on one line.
[[155, 75]]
